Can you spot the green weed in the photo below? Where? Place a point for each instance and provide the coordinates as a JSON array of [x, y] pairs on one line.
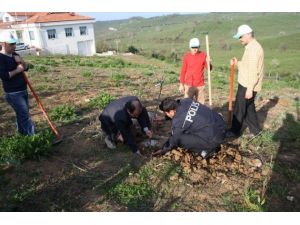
[[136, 196], [25, 191], [101, 100], [63, 113], [253, 201], [18, 148]]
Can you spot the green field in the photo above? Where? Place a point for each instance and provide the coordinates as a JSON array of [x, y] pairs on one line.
[[278, 33]]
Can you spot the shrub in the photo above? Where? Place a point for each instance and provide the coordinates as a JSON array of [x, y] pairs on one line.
[[133, 49], [63, 113], [18, 148], [101, 100]]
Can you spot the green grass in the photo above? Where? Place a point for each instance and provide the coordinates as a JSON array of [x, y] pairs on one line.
[[18, 147], [63, 113], [136, 196], [167, 37], [101, 100]]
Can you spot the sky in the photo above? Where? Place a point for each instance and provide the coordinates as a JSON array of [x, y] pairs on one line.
[[104, 16]]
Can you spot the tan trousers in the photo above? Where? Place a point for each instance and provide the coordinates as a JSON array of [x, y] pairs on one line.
[[196, 93]]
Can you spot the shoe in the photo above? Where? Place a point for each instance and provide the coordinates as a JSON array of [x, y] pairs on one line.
[[230, 134], [109, 143]]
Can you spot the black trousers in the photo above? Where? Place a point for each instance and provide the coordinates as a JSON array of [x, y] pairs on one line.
[[195, 143], [244, 111], [108, 127]]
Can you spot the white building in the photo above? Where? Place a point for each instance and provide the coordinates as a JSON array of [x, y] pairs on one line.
[[52, 32]]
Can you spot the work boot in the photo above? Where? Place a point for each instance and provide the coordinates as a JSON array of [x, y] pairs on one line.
[[109, 143]]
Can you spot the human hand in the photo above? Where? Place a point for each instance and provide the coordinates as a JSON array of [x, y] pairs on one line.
[[233, 61], [149, 133], [249, 94], [120, 138], [181, 88], [20, 68]]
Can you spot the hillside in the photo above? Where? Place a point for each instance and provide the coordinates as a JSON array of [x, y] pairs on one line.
[[168, 36]]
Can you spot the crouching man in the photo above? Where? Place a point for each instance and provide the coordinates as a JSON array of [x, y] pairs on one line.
[[195, 127], [116, 122]]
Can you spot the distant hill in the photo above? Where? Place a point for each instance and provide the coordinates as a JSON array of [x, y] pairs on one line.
[[168, 36]]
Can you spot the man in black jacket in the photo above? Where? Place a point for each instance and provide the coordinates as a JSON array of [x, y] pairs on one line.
[[116, 121], [195, 127], [14, 84]]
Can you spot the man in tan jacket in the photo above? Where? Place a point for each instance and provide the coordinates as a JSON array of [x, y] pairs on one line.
[[250, 75]]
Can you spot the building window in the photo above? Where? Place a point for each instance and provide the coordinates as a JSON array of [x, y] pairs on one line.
[[69, 32], [6, 19], [51, 34], [83, 30], [31, 35]]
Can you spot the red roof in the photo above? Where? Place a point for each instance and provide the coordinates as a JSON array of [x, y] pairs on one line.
[[21, 13], [46, 17], [6, 25]]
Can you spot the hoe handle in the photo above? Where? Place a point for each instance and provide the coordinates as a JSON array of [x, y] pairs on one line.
[[53, 128]]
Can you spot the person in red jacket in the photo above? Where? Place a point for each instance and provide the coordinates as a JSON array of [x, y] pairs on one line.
[[192, 72]]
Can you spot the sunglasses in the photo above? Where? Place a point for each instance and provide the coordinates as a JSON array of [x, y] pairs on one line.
[[194, 47], [12, 44]]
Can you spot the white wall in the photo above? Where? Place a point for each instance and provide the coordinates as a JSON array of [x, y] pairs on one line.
[[67, 45], [61, 44], [7, 15]]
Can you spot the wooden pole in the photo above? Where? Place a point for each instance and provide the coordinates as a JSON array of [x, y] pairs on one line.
[[231, 82], [208, 71]]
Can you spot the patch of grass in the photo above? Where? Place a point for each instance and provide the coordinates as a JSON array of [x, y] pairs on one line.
[[277, 190], [231, 204], [63, 113], [118, 77], [40, 68], [145, 173], [135, 196], [253, 201], [265, 139], [101, 100], [292, 174], [25, 191], [148, 73], [18, 148], [86, 74]]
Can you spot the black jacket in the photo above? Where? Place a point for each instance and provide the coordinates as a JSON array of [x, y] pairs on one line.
[[196, 119], [17, 82], [117, 115]]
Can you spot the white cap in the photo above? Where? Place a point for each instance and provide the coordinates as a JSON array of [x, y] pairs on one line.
[[194, 42], [243, 29], [7, 37]]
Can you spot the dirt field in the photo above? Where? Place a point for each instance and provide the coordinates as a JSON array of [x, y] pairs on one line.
[[261, 174]]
